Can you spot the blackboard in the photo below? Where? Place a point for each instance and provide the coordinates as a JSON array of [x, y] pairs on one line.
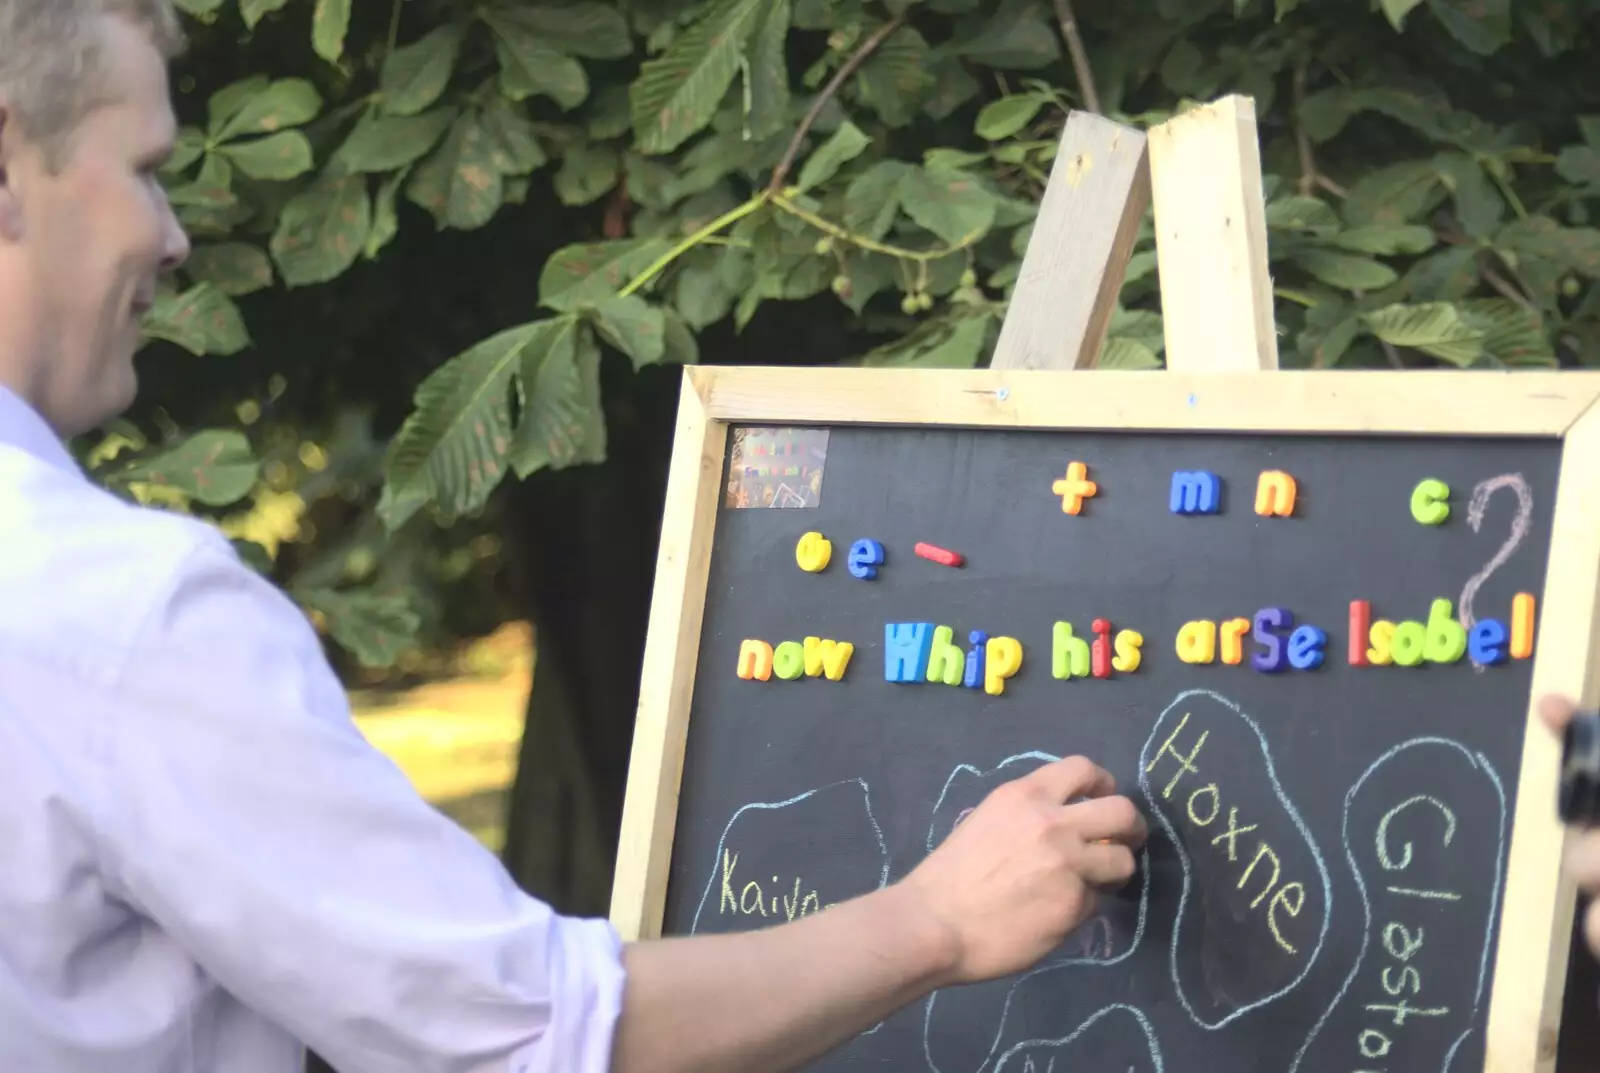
[[1326, 881]]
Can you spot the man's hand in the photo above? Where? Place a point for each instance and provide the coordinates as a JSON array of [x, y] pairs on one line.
[[1005, 888], [1583, 850], [1023, 869]]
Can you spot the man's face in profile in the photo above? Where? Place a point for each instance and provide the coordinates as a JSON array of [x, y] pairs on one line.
[[85, 235]]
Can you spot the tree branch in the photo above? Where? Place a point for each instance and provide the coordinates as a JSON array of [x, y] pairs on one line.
[[846, 69], [1302, 141], [1080, 57]]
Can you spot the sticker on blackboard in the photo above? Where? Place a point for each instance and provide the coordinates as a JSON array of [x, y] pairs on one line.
[[776, 467]]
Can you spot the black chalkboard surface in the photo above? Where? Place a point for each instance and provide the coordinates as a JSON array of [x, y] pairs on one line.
[[1331, 814]]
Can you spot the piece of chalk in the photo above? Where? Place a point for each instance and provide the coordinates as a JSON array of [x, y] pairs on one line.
[[942, 556]]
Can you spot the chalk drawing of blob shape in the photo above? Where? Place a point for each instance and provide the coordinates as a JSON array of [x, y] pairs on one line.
[[781, 860], [1116, 1038], [1424, 834], [963, 1028], [1255, 901]]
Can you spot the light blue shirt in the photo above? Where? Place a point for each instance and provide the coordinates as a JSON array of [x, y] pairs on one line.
[[204, 866]]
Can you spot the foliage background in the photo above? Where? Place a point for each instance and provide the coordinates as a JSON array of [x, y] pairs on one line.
[[449, 256]]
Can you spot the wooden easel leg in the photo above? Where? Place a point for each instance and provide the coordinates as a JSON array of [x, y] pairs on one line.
[[1211, 240], [1078, 253]]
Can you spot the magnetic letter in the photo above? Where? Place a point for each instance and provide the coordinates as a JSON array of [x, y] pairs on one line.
[[1382, 651], [1069, 655], [1522, 625], [827, 657], [1271, 657], [1486, 644], [755, 660], [1128, 656], [1360, 624], [1409, 643], [1428, 502], [1446, 638], [1305, 648], [1100, 662], [1195, 492], [1275, 493], [1233, 631], [813, 552], [905, 650], [973, 679], [1002, 659], [865, 558], [789, 661], [946, 661], [1197, 641]]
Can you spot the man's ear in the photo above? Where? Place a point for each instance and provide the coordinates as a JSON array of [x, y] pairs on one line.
[[10, 206]]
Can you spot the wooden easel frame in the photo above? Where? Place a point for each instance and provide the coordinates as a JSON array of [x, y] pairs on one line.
[[1019, 392]]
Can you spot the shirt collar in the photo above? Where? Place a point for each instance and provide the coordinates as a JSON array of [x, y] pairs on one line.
[[22, 427]]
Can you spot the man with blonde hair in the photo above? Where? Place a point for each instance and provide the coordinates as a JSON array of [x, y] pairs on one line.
[[206, 867]]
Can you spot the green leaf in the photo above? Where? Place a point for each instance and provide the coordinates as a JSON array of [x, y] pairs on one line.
[[386, 142], [679, 347], [1579, 165], [1300, 213], [676, 94], [1481, 25], [452, 448], [415, 75], [587, 172], [1576, 249], [843, 146], [280, 156], [587, 273], [1513, 333], [873, 198], [215, 467], [225, 103], [1387, 241], [376, 629], [1478, 204], [1006, 116], [322, 231], [1346, 271], [943, 343], [513, 143], [633, 326], [1436, 328], [286, 103], [558, 390], [1120, 352], [201, 319], [897, 78], [1396, 194], [529, 65], [330, 21], [459, 183], [1397, 10], [1016, 37], [950, 204], [766, 72], [198, 8], [256, 10], [385, 215], [234, 268], [594, 31]]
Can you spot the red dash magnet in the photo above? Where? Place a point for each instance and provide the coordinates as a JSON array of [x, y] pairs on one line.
[[942, 556]]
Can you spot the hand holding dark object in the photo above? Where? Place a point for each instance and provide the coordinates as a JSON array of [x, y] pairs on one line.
[[1579, 802]]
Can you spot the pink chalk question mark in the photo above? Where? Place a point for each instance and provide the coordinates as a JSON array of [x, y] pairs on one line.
[[1519, 529]]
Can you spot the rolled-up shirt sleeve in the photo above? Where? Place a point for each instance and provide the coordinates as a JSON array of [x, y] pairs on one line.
[[255, 825]]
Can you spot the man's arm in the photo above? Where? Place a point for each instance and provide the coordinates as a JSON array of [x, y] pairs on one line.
[[999, 894], [251, 821]]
